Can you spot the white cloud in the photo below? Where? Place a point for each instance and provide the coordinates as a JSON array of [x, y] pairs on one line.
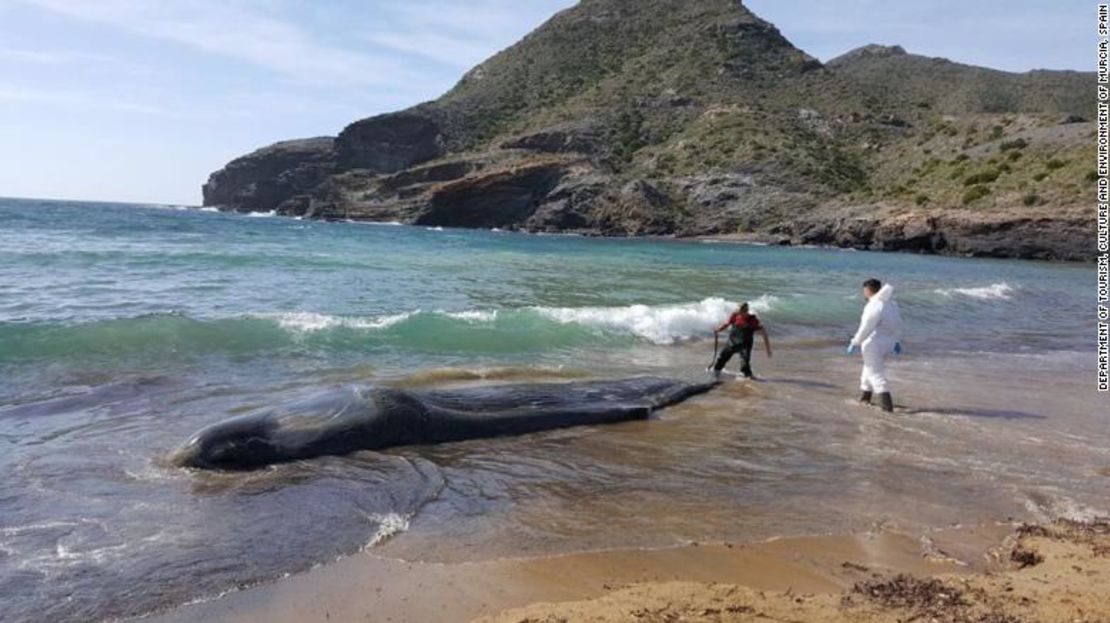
[[76, 100], [460, 35], [459, 52], [68, 60], [229, 29], [51, 57]]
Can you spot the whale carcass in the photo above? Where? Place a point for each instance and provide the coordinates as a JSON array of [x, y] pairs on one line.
[[373, 418]]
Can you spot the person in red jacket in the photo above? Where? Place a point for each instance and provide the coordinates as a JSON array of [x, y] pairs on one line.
[[742, 327]]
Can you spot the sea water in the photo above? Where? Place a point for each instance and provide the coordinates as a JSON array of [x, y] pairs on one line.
[[125, 328]]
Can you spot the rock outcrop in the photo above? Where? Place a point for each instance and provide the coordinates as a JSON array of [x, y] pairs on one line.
[[388, 143], [495, 199], [670, 117], [263, 179], [872, 50], [1022, 233]]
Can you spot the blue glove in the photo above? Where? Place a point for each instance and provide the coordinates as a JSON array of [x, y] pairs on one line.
[[852, 349], [897, 348]]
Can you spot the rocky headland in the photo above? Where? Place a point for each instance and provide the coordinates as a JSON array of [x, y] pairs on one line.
[[669, 117]]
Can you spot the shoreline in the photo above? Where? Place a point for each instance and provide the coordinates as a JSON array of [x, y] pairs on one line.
[[1000, 573], [1052, 572], [761, 239], [449, 584], [367, 586]]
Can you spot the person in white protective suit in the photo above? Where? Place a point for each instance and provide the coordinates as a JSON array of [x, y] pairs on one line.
[[879, 335]]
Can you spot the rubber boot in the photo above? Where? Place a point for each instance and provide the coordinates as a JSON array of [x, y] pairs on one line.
[[887, 401], [865, 398]]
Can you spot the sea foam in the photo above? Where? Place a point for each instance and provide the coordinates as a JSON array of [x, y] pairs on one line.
[[993, 292], [389, 524], [308, 322], [473, 316], [661, 324]]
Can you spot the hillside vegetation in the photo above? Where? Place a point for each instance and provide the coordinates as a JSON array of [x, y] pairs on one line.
[[698, 118]]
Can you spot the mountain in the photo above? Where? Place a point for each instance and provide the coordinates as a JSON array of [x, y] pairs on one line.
[[659, 117]]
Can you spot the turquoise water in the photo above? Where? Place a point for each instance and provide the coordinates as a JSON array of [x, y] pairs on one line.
[[125, 328], [128, 286]]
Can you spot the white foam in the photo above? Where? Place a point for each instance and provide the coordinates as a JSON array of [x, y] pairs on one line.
[[993, 292], [1062, 507], [764, 303], [209, 209], [309, 322], [376, 223], [389, 524], [262, 214], [661, 324], [434, 228], [17, 530], [474, 315]]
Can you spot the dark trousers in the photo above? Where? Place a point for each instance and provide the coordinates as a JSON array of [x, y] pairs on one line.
[[745, 352]]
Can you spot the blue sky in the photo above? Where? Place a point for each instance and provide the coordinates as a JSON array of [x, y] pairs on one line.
[[139, 100]]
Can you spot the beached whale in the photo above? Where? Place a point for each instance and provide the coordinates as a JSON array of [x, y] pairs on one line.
[[373, 418]]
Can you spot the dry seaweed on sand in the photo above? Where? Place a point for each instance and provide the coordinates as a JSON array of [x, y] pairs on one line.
[[906, 591], [928, 600], [1092, 532]]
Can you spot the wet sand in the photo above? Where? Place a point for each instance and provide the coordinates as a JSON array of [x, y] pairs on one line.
[[1057, 572], [994, 574], [931, 491], [368, 587]]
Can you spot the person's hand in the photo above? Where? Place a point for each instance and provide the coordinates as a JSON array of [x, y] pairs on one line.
[[852, 349], [897, 348]]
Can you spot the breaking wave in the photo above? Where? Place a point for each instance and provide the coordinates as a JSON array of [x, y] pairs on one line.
[[311, 322], [662, 324], [525, 329], [993, 292]]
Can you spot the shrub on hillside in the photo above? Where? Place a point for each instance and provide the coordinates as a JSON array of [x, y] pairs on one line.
[[975, 193], [983, 177], [1017, 143]]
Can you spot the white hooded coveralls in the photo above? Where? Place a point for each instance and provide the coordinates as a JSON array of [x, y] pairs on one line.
[[880, 329]]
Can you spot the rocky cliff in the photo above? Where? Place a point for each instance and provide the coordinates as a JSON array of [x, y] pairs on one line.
[[262, 180], [660, 117]]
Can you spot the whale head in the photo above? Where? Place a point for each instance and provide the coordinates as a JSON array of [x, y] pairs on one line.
[[337, 422], [241, 443]]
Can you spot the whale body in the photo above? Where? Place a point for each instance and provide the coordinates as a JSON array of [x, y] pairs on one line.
[[374, 418]]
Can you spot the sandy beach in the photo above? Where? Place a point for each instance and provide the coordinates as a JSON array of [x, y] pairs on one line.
[[1040, 573], [1000, 573]]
